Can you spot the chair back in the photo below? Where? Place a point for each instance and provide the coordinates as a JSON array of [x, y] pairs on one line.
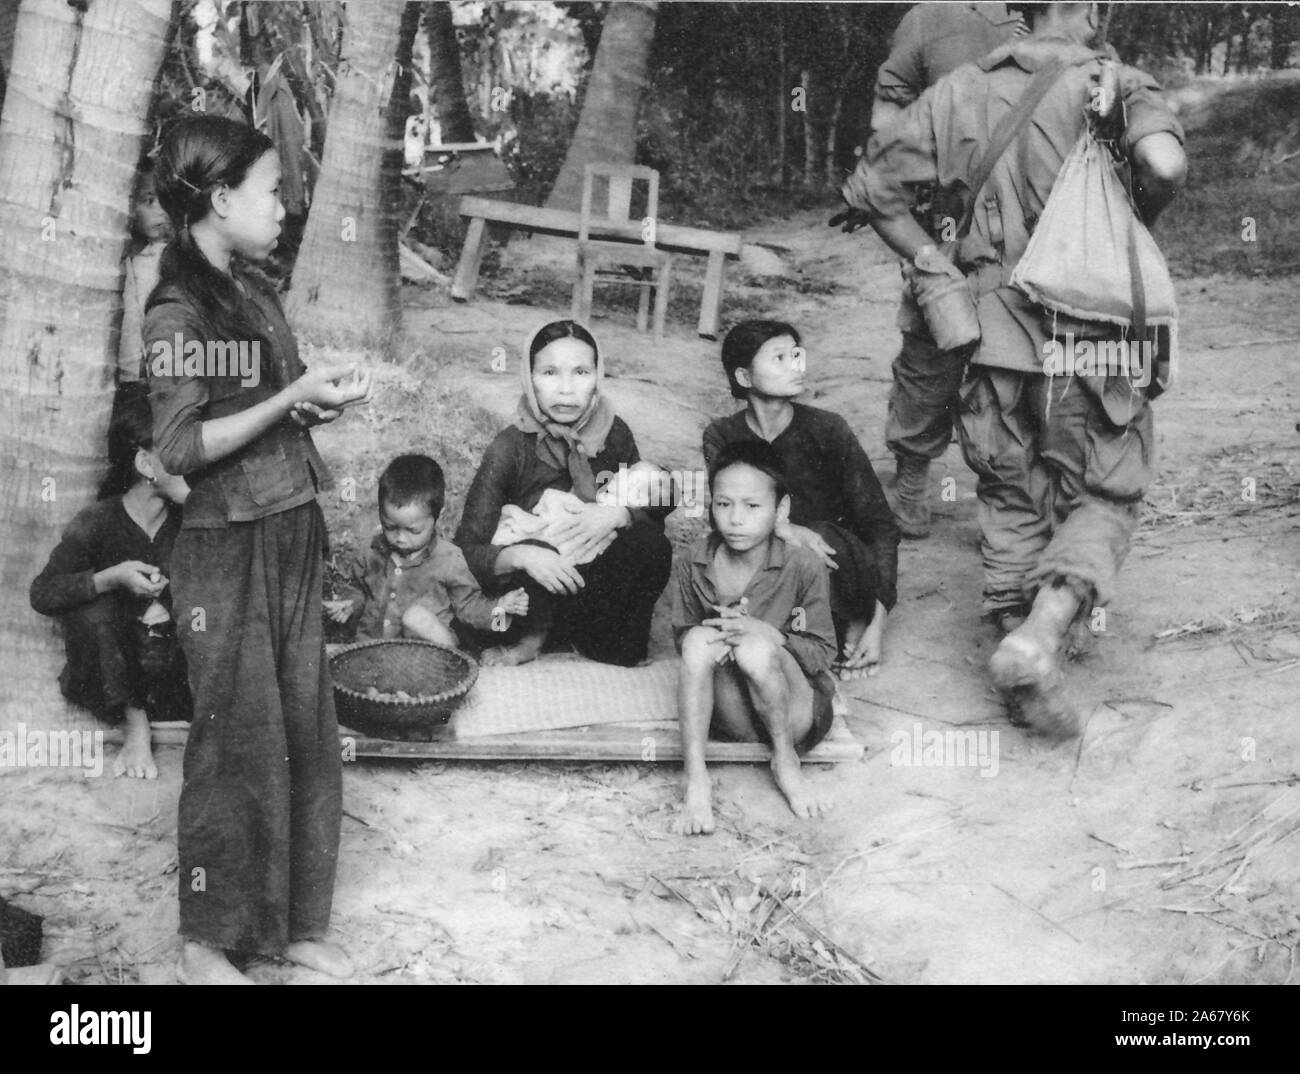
[[612, 213]]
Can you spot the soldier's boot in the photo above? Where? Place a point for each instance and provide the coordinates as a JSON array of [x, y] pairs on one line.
[[911, 496], [1026, 667]]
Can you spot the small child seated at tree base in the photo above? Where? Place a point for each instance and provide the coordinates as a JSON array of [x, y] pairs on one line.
[[107, 582], [413, 583], [752, 618]]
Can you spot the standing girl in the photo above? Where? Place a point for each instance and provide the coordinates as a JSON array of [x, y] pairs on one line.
[[261, 801], [565, 437], [837, 508]]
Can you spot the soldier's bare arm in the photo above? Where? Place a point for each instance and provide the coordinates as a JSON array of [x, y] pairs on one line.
[[1159, 170]]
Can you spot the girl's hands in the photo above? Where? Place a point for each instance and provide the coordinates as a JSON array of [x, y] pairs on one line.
[[803, 537], [309, 415], [585, 528], [550, 570], [138, 579], [333, 386]]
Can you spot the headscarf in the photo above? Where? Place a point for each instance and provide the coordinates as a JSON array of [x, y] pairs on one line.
[[566, 447]]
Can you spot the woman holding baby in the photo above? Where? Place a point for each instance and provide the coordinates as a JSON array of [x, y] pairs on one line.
[[593, 566]]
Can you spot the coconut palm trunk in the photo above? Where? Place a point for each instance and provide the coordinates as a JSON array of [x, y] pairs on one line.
[[346, 289], [606, 131], [8, 22], [74, 118]]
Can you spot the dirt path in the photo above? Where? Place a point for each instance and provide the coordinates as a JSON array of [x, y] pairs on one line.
[[1033, 870]]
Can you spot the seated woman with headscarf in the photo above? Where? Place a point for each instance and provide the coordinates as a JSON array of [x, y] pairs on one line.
[[595, 569]]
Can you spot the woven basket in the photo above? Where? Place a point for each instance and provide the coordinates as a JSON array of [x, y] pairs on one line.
[[436, 676]]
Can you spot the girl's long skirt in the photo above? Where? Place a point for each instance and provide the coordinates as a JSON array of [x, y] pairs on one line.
[[261, 800]]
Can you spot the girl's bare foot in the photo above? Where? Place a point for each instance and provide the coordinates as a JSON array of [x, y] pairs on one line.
[[320, 956], [696, 817], [203, 965], [804, 801], [135, 758]]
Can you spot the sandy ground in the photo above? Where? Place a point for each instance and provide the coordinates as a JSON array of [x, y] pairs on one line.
[[1155, 849]]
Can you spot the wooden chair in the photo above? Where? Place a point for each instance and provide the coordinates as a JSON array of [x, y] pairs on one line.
[[643, 266]]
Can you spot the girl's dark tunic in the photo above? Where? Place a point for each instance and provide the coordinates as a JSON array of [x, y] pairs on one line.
[[609, 618], [261, 801], [833, 490], [114, 660]]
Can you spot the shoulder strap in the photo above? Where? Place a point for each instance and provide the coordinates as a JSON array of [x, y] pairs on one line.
[[1005, 132]]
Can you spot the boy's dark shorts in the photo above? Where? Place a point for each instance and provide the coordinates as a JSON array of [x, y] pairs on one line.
[[823, 692]]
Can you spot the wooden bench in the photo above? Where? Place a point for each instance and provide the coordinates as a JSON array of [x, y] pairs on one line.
[[718, 245]]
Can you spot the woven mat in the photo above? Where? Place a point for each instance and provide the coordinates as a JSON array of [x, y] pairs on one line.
[[566, 691]]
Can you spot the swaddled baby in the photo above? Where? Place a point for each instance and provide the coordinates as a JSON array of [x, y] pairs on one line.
[[630, 487]]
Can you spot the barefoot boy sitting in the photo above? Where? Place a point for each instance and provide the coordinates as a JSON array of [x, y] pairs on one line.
[[752, 618], [413, 583]]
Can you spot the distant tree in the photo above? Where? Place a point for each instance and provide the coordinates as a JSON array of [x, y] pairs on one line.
[[1283, 20], [1147, 32], [779, 88], [589, 17], [844, 46]]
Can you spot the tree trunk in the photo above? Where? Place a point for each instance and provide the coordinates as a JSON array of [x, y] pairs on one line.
[[1207, 36], [782, 100], [448, 81], [346, 288], [606, 130], [1282, 23], [833, 177], [8, 21], [487, 72], [812, 143], [1238, 31], [71, 134]]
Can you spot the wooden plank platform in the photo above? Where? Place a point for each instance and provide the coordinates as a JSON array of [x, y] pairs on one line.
[[645, 742], [617, 742]]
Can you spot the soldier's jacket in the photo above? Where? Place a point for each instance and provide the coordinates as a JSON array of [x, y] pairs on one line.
[[940, 140], [934, 39]]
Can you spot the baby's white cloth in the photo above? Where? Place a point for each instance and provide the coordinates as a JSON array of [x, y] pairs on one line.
[[627, 488]]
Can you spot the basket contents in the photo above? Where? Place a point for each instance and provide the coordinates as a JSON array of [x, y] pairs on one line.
[[400, 695]]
